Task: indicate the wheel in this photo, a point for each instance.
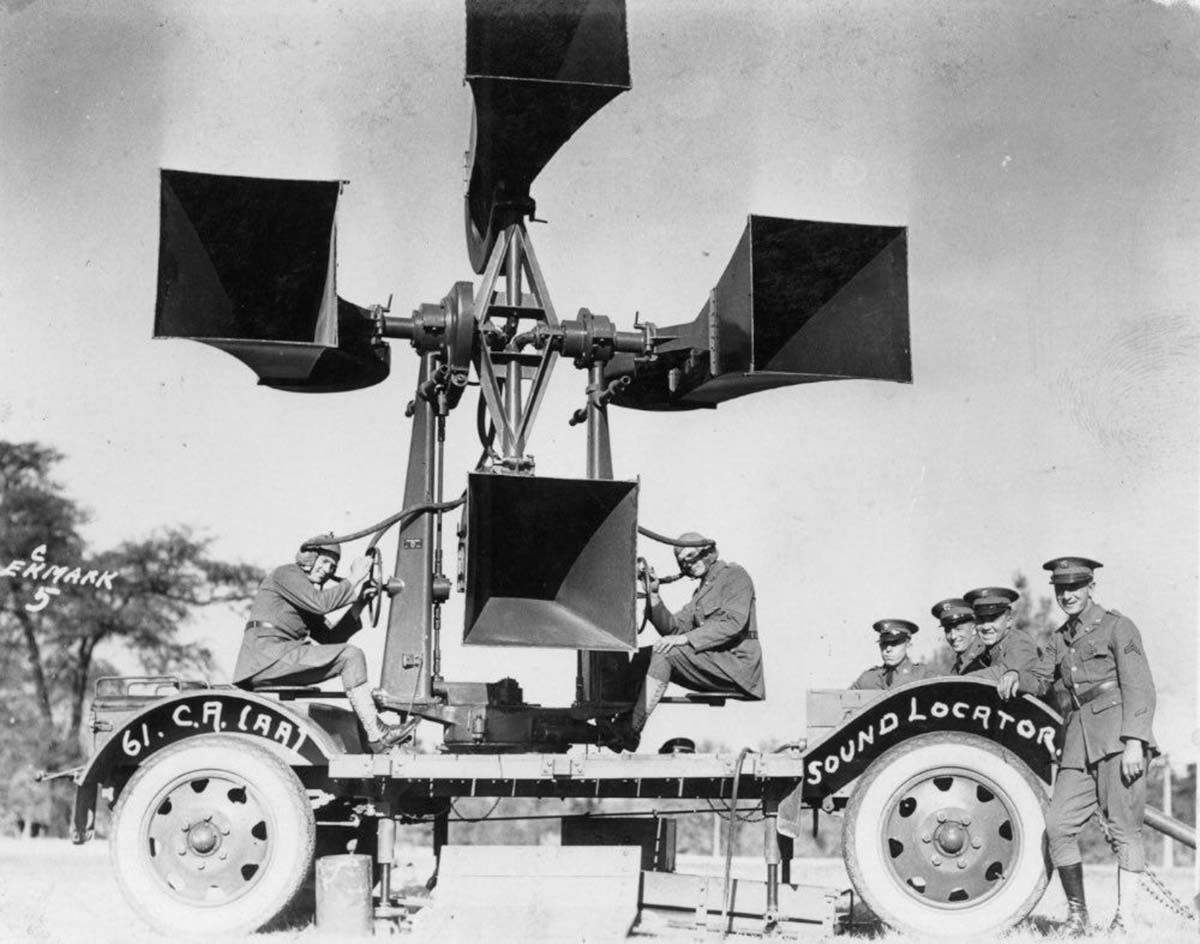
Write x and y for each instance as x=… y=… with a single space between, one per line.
x=213 y=836
x=944 y=836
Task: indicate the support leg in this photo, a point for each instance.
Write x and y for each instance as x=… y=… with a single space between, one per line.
x=773 y=858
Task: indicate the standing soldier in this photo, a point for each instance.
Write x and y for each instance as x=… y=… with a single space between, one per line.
x=1006 y=646
x=895 y=635
x=958 y=620
x=1098 y=656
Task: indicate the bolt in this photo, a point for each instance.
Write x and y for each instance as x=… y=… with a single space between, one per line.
x=186 y=826
x=208 y=818
x=222 y=854
x=925 y=837
x=966 y=821
x=182 y=850
x=200 y=866
x=941 y=817
x=962 y=863
x=976 y=843
x=936 y=861
x=224 y=830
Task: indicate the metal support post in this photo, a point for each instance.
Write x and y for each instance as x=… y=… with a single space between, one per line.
x=441 y=836
x=385 y=832
x=772 y=856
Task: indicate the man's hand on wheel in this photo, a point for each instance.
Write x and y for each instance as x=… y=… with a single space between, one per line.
x=1008 y=685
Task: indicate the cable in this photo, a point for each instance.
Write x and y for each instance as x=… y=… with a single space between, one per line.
x=378 y=529
x=674 y=542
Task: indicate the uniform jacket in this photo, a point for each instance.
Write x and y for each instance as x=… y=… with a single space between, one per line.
x=296 y=610
x=1016 y=652
x=974 y=659
x=876 y=677
x=1095 y=647
x=720 y=620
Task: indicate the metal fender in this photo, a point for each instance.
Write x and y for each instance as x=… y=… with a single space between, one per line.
x=291 y=735
x=1023 y=725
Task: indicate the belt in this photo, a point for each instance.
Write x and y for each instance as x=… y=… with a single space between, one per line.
x=1094 y=692
x=263 y=624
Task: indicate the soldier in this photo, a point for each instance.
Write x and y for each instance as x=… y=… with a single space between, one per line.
x=895 y=636
x=1006 y=646
x=710 y=646
x=958 y=620
x=1099 y=657
x=288 y=614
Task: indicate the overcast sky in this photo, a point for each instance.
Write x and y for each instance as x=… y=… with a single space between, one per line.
x=1043 y=156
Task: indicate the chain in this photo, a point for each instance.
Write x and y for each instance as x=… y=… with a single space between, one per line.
x=1151 y=883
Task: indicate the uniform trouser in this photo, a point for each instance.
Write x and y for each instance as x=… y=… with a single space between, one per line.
x=1080 y=793
x=306 y=665
x=696 y=671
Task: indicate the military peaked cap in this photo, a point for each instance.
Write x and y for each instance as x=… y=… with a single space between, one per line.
x=1071 y=569
x=952 y=612
x=991 y=601
x=895 y=630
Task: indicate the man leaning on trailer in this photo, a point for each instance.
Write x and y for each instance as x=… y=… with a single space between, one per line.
x=1098 y=656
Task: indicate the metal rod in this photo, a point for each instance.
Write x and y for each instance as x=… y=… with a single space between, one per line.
x=772 y=857
x=385 y=836
x=439 y=456
x=1169 y=826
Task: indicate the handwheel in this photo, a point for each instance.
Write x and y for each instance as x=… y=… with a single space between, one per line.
x=944 y=837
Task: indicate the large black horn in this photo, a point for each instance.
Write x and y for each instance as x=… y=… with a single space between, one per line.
x=799 y=302
x=247 y=265
x=538 y=69
x=550 y=562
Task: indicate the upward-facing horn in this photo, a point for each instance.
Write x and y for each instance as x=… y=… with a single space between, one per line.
x=799 y=302
x=247 y=265
x=538 y=69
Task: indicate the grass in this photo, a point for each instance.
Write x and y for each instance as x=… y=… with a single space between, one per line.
x=54 y=893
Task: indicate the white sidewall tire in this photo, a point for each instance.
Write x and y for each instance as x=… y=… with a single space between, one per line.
x=866 y=860
x=291 y=833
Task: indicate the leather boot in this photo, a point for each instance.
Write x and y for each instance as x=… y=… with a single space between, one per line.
x=1128 y=897
x=1071 y=877
x=390 y=735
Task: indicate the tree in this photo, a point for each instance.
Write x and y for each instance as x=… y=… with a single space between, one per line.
x=58 y=604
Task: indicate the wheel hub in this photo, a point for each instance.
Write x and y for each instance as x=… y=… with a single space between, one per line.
x=951 y=838
x=203 y=838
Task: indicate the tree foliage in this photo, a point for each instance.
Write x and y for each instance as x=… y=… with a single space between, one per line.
x=53 y=644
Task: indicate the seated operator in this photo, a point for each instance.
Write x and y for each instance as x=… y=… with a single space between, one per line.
x=1006 y=647
x=958 y=620
x=709 y=646
x=288 y=640
x=895 y=635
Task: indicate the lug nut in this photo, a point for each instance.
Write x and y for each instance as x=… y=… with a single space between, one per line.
x=925 y=837
x=222 y=854
x=936 y=861
x=941 y=817
x=200 y=866
x=966 y=821
x=962 y=863
x=976 y=843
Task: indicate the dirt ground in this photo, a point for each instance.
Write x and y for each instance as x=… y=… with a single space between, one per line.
x=51 y=891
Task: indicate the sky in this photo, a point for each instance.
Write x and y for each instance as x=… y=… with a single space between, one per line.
x=1042 y=156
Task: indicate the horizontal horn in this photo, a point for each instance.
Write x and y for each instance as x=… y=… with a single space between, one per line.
x=799 y=302
x=247 y=265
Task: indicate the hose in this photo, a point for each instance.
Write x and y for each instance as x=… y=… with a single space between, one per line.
x=378 y=529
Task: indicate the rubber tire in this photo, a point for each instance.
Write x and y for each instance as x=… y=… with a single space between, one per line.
x=291 y=826
x=874 y=880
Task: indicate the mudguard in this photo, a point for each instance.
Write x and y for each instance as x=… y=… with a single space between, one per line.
x=1023 y=725
x=297 y=738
